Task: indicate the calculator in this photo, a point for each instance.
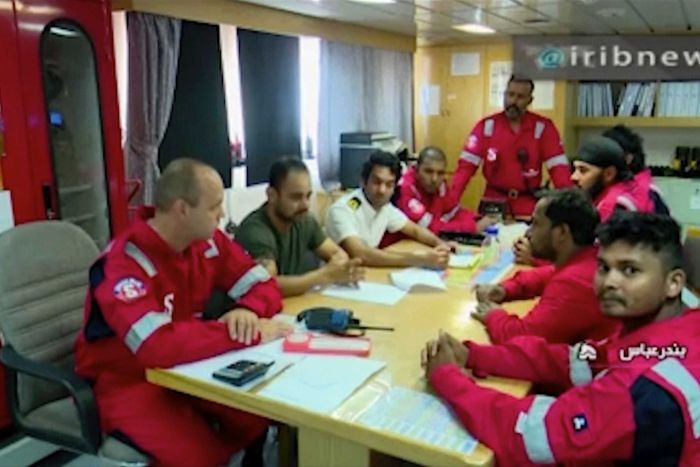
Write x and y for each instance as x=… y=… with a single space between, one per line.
x=242 y=371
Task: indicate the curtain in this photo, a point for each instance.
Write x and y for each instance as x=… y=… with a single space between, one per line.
x=198 y=126
x=362 y=89
x=154 y=44
x=270 y=93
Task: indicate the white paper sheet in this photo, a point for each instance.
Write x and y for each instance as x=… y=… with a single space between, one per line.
x=421 y=417
x=464 y=260
x=367 y=292
x=499 y=74
x=272 y=351
x=465 y=64
x=321 y=383
x=508 y=234
x=409 y=278
x=429 y=99
x=543 y=97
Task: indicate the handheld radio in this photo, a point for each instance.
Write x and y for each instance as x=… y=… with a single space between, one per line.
x=334 y=320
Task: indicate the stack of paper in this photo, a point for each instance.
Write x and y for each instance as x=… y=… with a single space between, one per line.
x=419 y=416
x=465 y=260
x=493 y=273
x=509 y=233
x=270 y=352
x=417 y=278
x=366 y=292
x=321 y=383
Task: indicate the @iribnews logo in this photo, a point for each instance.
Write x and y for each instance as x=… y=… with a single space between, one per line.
x=551 y=58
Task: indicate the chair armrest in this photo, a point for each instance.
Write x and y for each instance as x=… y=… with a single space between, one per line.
x=79 y=390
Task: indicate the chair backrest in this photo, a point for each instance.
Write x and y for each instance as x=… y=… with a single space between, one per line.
x=43 y=280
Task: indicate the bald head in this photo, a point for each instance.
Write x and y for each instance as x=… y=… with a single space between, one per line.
x=430 y=171
x=182 y=179
x=432 y=153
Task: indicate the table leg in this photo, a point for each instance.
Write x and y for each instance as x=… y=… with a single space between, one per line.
x=319 y=449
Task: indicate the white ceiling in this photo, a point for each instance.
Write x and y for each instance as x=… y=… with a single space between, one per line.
x=432 y=20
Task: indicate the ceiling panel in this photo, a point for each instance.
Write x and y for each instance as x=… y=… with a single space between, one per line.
x=537 y=3
x=495 y=21
x=433 y=17
x=440 y=5
x=692 y=12
x=488 y=4
x=669 y=18
x=617 y=14
x=519 y=14
x=432 y=20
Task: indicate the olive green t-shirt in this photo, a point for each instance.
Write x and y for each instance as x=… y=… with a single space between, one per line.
x=289 y=250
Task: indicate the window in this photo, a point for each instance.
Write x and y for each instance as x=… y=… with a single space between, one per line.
x=232 y=90
x=309 y=70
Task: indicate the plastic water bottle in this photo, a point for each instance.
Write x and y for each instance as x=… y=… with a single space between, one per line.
x=491 y=245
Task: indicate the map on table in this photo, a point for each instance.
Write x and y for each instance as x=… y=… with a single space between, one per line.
x=421 y=417
x=482 y=273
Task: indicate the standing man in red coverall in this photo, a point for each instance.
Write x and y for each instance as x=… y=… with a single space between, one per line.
x=513 y=145
x=630 y=400
x=141 y=310
x=563 y=232
x=424 y=197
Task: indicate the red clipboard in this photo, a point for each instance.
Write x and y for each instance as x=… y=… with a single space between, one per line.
x=316 y=343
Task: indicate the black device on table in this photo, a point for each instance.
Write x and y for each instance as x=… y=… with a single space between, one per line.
x=242 y=371
x=493 y=208
x=463 y=238
x=335 y=320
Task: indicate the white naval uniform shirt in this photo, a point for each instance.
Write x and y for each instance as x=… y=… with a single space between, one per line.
x=352 y=215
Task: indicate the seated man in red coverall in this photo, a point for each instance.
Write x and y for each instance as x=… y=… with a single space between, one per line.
x=141 y=311
x=632 y=143
x=600 y=169
x=563 y=232
x=425 y=198
x=629 y=400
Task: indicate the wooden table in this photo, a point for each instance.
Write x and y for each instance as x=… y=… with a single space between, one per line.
x=335 y=439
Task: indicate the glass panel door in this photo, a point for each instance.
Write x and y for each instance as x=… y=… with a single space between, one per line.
x=75 y=129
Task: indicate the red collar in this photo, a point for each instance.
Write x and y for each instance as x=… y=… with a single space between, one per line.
x=588 y=253
x=153 y=244
x=526 y=123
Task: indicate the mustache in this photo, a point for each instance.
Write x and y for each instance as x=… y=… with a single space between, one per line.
x=611 y=297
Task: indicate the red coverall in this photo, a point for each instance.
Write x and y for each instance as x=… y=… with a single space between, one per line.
x=642 y=410
x=513 y=165
x=567 y=311
x=436 y=212
x=631 y=195
x=655 y=193
x=141 y=312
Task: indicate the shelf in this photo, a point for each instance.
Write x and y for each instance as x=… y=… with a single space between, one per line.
x=637 y=122
x=79 y=219
x=74 y=189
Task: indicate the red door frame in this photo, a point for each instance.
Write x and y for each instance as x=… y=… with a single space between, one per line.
x=94 y=17
x=16 y=168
